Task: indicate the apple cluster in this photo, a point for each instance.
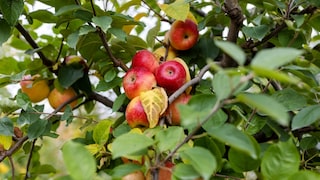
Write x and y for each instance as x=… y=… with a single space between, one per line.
x=161 y=68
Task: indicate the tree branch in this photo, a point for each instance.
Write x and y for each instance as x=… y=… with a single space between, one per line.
x=233 y=10
x=47 y=62
x=13 y=148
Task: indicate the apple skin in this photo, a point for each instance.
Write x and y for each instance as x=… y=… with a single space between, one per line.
x=57 y=98
x=74 y=59
x=188 y=76
x=170 y=75
x=36 y=90
x=146 y=59
x=135 y=114
x=137 y=80
x=172 y=112
x=161 y=52
x=183 y=35
x=137 y=175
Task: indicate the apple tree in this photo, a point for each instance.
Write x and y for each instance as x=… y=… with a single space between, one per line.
x=145 y=89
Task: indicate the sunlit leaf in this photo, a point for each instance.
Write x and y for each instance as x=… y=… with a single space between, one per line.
x=178 y=10
x=305 y=175
x=101 y=131
x=169 y=138
x=78 y=160
x=103 y=22
x=154 y=103
x=5 y=141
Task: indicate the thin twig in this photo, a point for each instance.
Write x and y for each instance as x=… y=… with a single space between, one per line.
x=29 y=159
x=156 y=13
x=12 y=168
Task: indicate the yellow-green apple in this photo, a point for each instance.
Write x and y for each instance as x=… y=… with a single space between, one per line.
x=172 y=112
x=170 y=75
x=183 y=35
x=57 y=98
x=146 y=59
x=160 y=53
x=137 y=175
x=137 y=80
x=76 y=60
x=135 y=114
x=37 y=90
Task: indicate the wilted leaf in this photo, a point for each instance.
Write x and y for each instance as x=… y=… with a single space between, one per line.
x=154 y=103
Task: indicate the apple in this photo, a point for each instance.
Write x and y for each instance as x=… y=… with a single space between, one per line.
x=137 y=175
x=74 y=59
x=183 y=34
x=160 y=53
x=188 y=77
x=37 y=90
x=146 y=59
x=170 y=75
x=135 y=114
x=172 y=112
x=137 y=80
x=57 y=98
x=164 y=172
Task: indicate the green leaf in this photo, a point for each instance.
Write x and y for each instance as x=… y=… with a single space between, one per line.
x=67 y=9
x=37 y=128
x=308 y=142
x=8 y=66
x=101 y=132
x=242 y=162
x=256 y=32
x=274 y=58
x=169 y=138
x=23 y=100
x=152 y=34
x=124 y=169
x=103 y=22
x=306 y=117
x=79 y=162
x=178 y=10
x=290 y=98
x=233 y=137
x=6 y=126
x=280 y=160
x=11 y=10
x=120 y=100
x=276 y=75
x=68 y=75
x=130 y=144
x=119 y=33
x=5 y=31
x=201 y=160
x=185 y=171
x=72 y=39
x=305 y=175
x=44 y=16
x=234 y=51
x=67 y=115
x=267 y=105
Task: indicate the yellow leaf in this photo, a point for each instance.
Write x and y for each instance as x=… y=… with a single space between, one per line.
x=128 y=28
x=6 y=141
x=93 y=148
x=154 y=103
x=178 y=10
x=4 y=168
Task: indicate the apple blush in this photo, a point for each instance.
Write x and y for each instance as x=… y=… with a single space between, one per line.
x=183 y=35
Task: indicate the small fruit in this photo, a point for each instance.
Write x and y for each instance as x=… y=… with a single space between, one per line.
x=57 y=98
x=170 y=75
x=188 y=77
x=146 y=59
x=135 y=114
x=172 y=113
x=138 y=80
x=161 y=52
x=37 y=90
x=76 y=60
x=183 y=34
x=137 y=175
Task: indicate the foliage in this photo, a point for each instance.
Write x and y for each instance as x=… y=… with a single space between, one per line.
x=255 y=79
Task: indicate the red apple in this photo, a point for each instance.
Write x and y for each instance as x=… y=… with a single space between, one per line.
x=172 y=113
x=146 y=59
x=183 y=34
x=137 y=175
x=171 y=75
x=138 y=80
x=135 y=114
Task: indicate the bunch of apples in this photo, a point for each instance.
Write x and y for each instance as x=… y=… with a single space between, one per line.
x=37 y=88
x=161 y=71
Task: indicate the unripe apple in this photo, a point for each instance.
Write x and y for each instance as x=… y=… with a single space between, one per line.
x=37 y=90
x=183 y=35
x=135 y=114
x=170 y=75
x=161 y=52
x=137 y=175
x=172 y=112
x=138 y=80
x=57 y=98
x=146 y=59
